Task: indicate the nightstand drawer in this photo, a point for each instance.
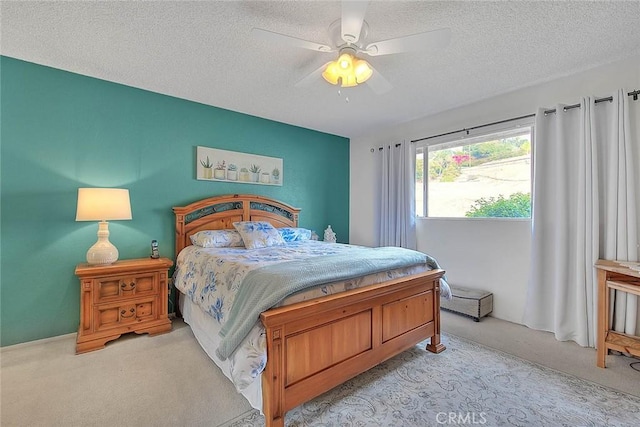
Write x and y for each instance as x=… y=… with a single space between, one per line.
x=107 y=316
x=112 y=288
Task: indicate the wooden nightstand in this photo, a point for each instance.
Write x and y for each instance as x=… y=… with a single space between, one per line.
x=126 y=296
x=614 y=275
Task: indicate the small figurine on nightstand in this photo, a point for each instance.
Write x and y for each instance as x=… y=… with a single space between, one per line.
x=155 y=254
x=329 y=235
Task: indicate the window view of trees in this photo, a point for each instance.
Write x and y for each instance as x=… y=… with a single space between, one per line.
x=489 y=178
x=518 y=205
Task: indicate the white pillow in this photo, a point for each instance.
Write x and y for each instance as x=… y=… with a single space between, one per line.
x=217 y=239
x=258 y=234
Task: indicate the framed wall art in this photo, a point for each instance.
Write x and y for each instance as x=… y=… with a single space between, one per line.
x=213 y=164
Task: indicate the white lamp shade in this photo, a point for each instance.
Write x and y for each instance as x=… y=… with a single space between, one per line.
x=103 y=204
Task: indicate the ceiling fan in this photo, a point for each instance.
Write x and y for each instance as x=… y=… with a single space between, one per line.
x=349 y=37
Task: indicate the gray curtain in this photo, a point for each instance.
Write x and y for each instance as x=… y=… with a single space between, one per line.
x=397 y=198
x=584 y=208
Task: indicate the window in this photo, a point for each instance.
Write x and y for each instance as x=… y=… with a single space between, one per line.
x=481 y=176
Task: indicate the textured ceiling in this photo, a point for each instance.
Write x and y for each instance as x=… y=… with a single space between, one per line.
x=203 y=51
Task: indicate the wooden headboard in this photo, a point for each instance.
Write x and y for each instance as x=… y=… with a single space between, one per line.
x=220 y=212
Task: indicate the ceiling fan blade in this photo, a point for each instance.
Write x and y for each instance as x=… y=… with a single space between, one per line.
x=352 y=16
x=270 y=36
x=312 y=77
x=378 y=83
x=435 y=39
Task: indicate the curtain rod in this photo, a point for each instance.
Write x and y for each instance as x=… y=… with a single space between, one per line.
x=634 y=93
x=382 y=148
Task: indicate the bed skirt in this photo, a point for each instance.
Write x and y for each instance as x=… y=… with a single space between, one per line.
x=202 y=326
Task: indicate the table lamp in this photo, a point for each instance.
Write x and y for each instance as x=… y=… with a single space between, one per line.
x=102 y=204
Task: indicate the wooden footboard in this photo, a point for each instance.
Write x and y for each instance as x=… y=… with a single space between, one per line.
x=315 y=345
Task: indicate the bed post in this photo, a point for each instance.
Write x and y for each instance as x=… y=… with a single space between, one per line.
x=180 y=233
x=435 y=346
x=273 y=380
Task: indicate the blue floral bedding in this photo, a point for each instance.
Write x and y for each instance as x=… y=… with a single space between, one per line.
x=210 y=278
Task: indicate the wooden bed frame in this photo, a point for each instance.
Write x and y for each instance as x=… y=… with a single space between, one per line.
x=315 y=345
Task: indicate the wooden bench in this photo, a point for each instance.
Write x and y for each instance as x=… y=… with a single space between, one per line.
x=473 y=303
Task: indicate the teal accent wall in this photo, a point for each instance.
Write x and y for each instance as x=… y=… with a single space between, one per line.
x=61 y=131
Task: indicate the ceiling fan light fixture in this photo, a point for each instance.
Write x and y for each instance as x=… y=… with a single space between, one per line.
x=347 y=70
x=362 y=70
x=345 y=62
x=332 y=73
x=348 y=80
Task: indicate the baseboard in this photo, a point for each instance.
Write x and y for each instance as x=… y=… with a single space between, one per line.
x=38 y=342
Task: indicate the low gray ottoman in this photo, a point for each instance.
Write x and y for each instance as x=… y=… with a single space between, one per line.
x=473 y=303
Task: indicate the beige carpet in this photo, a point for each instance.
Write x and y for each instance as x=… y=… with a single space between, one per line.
x=168 y=380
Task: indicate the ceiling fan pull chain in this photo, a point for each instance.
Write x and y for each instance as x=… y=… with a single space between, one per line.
x=346 y=98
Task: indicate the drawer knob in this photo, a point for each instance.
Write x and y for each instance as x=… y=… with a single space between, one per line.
x=124 y=312
x=131 y=285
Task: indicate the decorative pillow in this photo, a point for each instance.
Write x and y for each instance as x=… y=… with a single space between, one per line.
x=257 y=234
x=217 y=239
x=292 y=234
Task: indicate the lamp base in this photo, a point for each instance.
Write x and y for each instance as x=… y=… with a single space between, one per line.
x=102 y=252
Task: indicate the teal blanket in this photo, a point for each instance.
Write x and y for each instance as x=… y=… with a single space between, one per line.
x=267 y=286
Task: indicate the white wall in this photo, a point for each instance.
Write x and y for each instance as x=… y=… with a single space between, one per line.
x=491 y=254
